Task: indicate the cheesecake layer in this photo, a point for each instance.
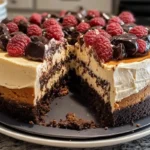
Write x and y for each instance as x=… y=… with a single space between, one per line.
x=19 y=74
x=126 y=78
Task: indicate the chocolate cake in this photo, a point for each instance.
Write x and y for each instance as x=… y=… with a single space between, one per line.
x=103 y=58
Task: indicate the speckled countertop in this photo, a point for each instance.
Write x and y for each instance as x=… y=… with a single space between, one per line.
x=7 y=143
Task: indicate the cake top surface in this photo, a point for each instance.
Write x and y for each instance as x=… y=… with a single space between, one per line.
x=19 y=61
x=114 y=39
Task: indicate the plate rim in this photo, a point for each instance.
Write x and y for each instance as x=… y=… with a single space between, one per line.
x=76 y=143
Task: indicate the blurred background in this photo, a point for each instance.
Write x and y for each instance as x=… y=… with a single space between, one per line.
x=140 y=8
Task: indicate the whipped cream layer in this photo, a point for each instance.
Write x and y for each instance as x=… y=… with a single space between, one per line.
x=125 y=78
x=17 y=72
x=130 y=78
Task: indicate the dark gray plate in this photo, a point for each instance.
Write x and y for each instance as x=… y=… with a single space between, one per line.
x=60 y=107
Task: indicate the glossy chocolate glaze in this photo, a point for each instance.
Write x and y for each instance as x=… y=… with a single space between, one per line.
x=35 y=49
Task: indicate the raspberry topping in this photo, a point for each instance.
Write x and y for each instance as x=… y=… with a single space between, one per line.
x=115 y=19
x=139 y=31
x=104 y=33
x=103 y=48
x=69 y=20
x=17 y=19
x=141 y=45
x=16 y=46
x=98 y=21
x=89 y=37
x=62 y=13
x=127 y=17
x=34 y=29
x=54 y=31
x=45 y=14
x=49 y=22
x=93 y=13
x=12 y=27
x=114 y=29
x=83 y=27
x=36 y=18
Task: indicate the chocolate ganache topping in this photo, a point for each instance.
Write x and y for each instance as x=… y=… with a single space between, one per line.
x=71 y=34
x=36 y=48
x=125 y=45
x=4 y=36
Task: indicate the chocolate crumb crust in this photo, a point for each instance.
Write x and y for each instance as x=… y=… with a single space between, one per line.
x=102 y=110
x=73 y=122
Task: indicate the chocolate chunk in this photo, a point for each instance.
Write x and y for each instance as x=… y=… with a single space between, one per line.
x=23 y=26
x=35 y=49
x=129 y=41
x=3 y=29
x=82 y=11
x=147 y=39
x=71 y=34
x=39 y=38
x=119 y=51
x=148 y=28
x=127 y=27
x=106 y=16
x=50 y=16
x=6 y=20
x=4 y=39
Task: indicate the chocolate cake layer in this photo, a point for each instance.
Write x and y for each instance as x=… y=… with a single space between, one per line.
x=103 y=110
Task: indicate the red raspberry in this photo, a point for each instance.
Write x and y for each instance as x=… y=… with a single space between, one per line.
x=16 y=46
x=83 y=27
x=139 y=31
x=114 y=29
x=54 y=31
x=44 y=14
x=104 y=33
x=49 y=22
x=69 y=20
x=17 y=19
x=36 y=18
x=89 y=37
x=62 y=13
x=12 y=27
x=98 y=21
x=141 y=45
x=93 y=13
x=34 y=29
x=103 y=48
x=127 y=17
x=115 y=19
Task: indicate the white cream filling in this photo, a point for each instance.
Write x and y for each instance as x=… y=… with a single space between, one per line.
x=131 y=78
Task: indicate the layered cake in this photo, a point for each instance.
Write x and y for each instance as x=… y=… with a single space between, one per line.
x=107 y=57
